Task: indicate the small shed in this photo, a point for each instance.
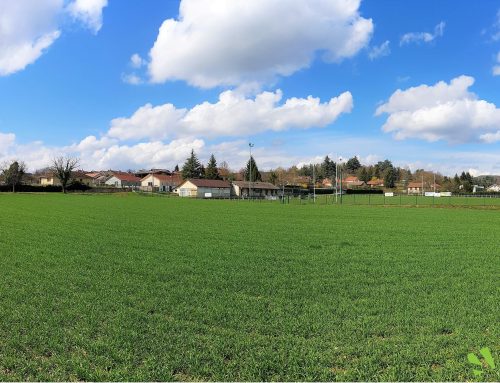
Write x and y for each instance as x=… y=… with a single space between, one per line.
x=258 y=189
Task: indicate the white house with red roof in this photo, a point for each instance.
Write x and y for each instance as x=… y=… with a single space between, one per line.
x=123 y=180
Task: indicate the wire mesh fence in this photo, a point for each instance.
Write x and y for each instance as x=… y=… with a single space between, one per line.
x=394 y=200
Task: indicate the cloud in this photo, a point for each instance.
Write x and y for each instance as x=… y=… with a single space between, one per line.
x=442 y=111
x=163 y=135
x=490 y=137
x=131 y=79
x=380 y=51
x=154 y=122
x=143 y=154
x=235 y=42
x=88 y=12
x=231 y=115
x=29 y=27
x=425 y=37
x=6 y=141
x=137 y=61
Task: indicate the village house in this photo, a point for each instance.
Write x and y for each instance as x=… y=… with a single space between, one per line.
x=352 y=182
x=202 y=188
x=48 y=179
x=259 y=189
x=159 y=182
x=375 y=183
x=82 y=178
x=326 y=183
x=98 y=178
x=416 y=187
x=123 y=180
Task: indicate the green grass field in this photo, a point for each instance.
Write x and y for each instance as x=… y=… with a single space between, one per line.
x=139 y=288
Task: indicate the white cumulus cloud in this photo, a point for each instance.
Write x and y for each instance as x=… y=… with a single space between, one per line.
x=89 y=12
x=232 y=115
x=425 y=37
x=441 y=111
x=235 y=42
x=29 y=27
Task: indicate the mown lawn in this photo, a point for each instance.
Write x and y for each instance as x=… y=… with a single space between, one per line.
x=140 y=288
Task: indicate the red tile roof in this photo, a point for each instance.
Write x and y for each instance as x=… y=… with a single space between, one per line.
x=415 y=185
x=128 y=177
x=375 y=182
x=351 y=179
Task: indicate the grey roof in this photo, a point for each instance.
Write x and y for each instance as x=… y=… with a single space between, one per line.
x=256 y=185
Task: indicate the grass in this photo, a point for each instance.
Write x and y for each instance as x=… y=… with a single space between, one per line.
x=137 y=288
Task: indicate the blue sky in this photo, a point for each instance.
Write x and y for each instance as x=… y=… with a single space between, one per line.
x=299 y=79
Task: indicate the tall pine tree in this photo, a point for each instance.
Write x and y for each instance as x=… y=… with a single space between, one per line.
x=212 y=172
x=255 y=174
x=328 y=168
x=192 y=167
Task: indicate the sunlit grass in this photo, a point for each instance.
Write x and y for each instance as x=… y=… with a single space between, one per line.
x=139 y=288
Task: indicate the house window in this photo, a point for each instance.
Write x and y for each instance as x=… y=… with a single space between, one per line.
x=150 y=184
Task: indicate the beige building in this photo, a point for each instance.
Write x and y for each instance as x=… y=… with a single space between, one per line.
x=200 y=188
x=49 y=179
x=82 y=178
x=159 y=182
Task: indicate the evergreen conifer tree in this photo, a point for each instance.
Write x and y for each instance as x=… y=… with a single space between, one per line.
x=192 y=167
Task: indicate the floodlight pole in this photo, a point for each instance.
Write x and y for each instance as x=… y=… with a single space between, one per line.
x=314 y=186
x=336 y=181
x=250 y=145
x=340 y=160
x=152 y=181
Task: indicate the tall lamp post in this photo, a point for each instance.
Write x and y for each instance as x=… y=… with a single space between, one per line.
x=337 y=180
x=250 y=145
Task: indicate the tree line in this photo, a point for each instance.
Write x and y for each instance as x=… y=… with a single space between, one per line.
x=63 y=168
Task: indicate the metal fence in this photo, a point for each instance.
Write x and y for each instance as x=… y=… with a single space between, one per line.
x=400 y=199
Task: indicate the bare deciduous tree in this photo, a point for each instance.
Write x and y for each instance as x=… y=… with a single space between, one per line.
x=13 y=173
x=63 y=168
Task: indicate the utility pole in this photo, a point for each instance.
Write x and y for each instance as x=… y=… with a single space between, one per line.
x=423 y=185
x=340 y=160
x=152 y=181
x=250 y=145
x=336 y=181
x=314 y=185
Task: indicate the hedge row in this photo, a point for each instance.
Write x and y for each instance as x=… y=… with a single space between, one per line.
x=44 y=189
